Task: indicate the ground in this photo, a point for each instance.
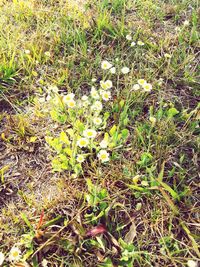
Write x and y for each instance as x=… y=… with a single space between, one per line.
x=140 y=208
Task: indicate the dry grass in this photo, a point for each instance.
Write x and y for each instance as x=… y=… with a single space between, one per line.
x=147 y=197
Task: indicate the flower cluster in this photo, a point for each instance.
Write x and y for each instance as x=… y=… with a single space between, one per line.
x=142 y=85
x=105 y=65
x=86 y=117
x=130 y=38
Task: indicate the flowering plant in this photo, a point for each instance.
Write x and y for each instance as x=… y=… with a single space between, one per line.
x=85 y=132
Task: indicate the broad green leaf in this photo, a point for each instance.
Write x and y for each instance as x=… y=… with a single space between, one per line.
x=106 y=137
x=70 y=132
x=64 y=138
x=68 y=151
x=56 y=165
x=113 y=130
x=106 y=115
x=172 y=112
x=79 y=125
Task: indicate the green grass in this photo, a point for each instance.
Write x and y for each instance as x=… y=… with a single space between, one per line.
x=141 y=207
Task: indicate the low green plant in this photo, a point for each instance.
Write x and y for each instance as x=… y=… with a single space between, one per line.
x=87 y=132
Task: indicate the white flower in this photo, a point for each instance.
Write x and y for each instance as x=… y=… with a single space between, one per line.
x=94 y=93
x=94 y=80
x=106 y=95
x=90 y=133
x=48 y=98
x=41 y=99
x=125 y=70
x=105 y=65
x=71 y=103
x=147 y=87
x=192 y=263
x=53 y=88
x=106 y=85
x=186 y=23
x=2 y=258
x=47 y=53
x=160 y=81
x=27 y=51
x=44 y=263
x=113 y=70
x=136 y=87
x=177 y=29
x=140 y=43
x=103 y=155
x=133 y=44
x=144 y=183
x=117 y=59
x=103 y=143
x=80 y=158
x=142 y=82
x=128 y=37
x=84 y=98
x=166 y=55
x=15 y=254
x=97 y=120
x=103 y=85
x=97 y=106
x=85 y=103
x=82 y=142
x=68 y=97
x=152 y=120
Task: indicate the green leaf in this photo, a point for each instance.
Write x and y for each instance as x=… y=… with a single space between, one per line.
x=64 y=138
x=26 y=220
x=70 y=132
x=106 y=115
x=161 y=173
x=57 y=165
x=79 y=125
x=101 y=243
x=68 y=151
x=113 y=130
x=121 y=103
x=90 y=185
x=56 y=116
x=103 y=193
x=78 y=169
x=89 y=199
x=106 y=137
x=172 y=112
x=169 y=189
x=125 y=133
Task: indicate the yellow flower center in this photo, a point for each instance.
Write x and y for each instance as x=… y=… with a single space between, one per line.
x=15 y=254
x=82 y=142
x=71 y=104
